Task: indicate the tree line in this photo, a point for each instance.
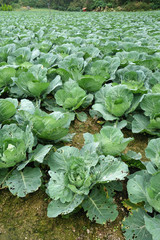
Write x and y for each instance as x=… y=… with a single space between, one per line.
x=77 y=5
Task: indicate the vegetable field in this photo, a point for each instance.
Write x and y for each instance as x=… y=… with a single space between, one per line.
x=77 y=92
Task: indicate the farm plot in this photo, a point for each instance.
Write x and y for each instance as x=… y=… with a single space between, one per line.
x=60 y=72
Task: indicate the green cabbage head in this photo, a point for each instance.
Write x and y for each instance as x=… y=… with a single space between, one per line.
x=14 y=143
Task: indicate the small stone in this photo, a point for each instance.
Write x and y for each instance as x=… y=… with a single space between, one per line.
x=88 y=231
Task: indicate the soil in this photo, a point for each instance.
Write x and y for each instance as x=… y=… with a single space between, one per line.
x=26 y=218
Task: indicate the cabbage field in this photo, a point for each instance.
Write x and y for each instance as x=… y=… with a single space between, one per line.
x=62 y=68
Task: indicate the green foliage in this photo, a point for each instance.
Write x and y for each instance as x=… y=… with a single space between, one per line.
x=153 y=226
x=71 y=96
x=52 y=126
x=75 y=5
x=15 y=5
x=111 y=141
x=51 y=65
x=33 y=3
x=153 y=152
x=6 y=74
x=14 y=145
x=34 y=81
x=134 y=6
x=8 y=108
x=5 y=7
x=99 y=207
x=99 y=3
x=134 y=226
x=143 y=187
x=21 y=183
x=73 y=173
x=112 y=102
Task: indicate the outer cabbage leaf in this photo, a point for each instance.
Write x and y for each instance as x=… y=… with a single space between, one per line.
x=64 y=74
x=111 y=141
x=81 y=116
x=134 y=226
x=46 y=59
x=153 y=192
x=99 y=67
x=133 y=78
x=26 y=105
x=110 y=169
x=72 y=63
x=34 y=81
x=64 y=156
x=56 y=208
x=49 y=126
x=156 y=88
x=154 y=124
x=5 y=51
x=127 y=57
x=118 y=100
x=57 y=187
x=52 y=126
x=71 y=96
x=67 y=48
x=102 y=112
x=14 y=144
x=6 y=73
x=19 y=56
x=74 y=171
x=3 y=177
x=121 y=124
x=151 y=105
x=150 y=167
x=153 y=64
x=136 y=101
x=153 y=151
x=21 y=183
x=90 y=51
x=114 y=100
x=40 y=152
x=44 y=45
x=136 y=187
x=139 y=123
x=91 y=83
x=37 y=155
x=153 y=226
x=144 y=187
x=105 y=68
x=8 y=108
x=133 y=159
x=99 y=207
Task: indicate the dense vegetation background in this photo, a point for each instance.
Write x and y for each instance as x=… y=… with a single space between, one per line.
x=77 y=5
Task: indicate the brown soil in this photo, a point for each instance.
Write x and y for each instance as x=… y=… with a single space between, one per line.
x=26 y=218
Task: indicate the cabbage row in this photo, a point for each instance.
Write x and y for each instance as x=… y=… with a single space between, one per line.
x=55 y=67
